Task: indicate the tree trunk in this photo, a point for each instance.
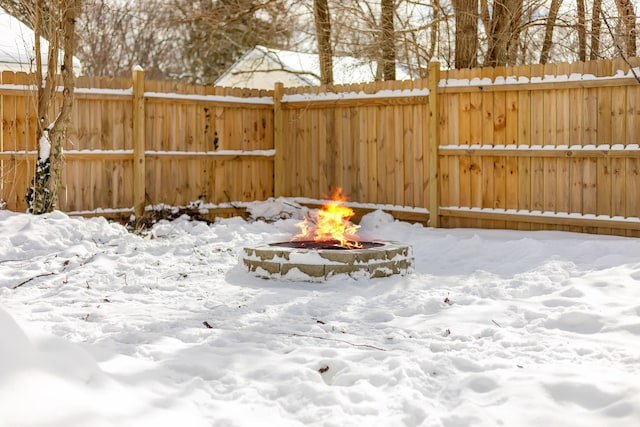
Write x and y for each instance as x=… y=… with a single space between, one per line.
x=596 y=26
x=582 y=31
x=388 y=40
x=548 y=33
x=628 y=17
x=466 y=49
x=503 y=31
x=42 y=196
x=434 y=29
x=323 y=35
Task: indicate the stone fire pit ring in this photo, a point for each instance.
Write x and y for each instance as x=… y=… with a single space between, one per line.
x=310 y=264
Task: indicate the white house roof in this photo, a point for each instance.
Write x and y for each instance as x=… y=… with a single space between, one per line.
x=17 y=46
x=262 y=67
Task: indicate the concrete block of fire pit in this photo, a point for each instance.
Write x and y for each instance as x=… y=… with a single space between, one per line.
x=315 y=264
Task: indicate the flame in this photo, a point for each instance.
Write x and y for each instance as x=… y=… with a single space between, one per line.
x=331 y=223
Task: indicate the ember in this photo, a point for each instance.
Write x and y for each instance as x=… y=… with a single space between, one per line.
x=327 y=244
x=331 y=224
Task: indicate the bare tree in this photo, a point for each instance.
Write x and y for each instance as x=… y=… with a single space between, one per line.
x=596 y=27
x=387 y=41
x=466 y=46
x=52 y=131
x=628 y=18
x=582 y=30
x=502 y=31
x=323 y=36
x=116 y=36
x=195 y=41
x=549 y=26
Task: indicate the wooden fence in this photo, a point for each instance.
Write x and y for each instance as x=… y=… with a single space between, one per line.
x=530 y=147
x=190 y=143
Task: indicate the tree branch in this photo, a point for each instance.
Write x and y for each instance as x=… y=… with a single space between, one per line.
x=337 y=340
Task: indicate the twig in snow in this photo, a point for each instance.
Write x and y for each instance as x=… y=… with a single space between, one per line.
x=34 y=277
x=496 y=323
x=338 y=340
x=291 y=205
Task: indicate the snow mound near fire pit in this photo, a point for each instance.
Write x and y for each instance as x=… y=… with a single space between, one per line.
x=276 y=209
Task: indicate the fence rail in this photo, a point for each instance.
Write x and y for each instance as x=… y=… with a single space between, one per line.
x=528 y=147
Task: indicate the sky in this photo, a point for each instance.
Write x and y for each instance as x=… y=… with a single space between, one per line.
x=103 y=327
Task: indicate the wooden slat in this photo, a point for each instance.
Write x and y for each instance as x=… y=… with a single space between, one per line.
x=542 y=85
x=549 y=140
x=409 y=142
x=362 y=167
x=499 y=138
x=464 y=138
x=511 y=139
x=524 y=139
x=603 y=174
x=389 y=157
x=381 y=171
x=632 y=179
x=454 y=163
x=398 y=157
x=619 y=135
x=563 y=133
x=356 y=102
x=426 y=126
x=475 y=112
x=548 y=220
x=372 y=155
x=542 y=152
x=14 y=171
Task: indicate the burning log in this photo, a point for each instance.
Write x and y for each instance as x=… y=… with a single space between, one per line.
x=331 y=223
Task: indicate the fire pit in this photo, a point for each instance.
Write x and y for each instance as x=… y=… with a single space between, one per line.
x=308 y=261
x=326 y=247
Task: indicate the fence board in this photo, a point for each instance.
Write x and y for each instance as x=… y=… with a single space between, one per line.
x=524 y=139
x=537 y=139
x=499 y=138
x=398 y=156
x=604 y=133
x=511 y=140
x=410 y=178
x=549 y=140
x=474 y=110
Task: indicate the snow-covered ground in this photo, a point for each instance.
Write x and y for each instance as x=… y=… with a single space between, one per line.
x=101 y=327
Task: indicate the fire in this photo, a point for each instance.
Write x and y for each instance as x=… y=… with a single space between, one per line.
x=331 y=223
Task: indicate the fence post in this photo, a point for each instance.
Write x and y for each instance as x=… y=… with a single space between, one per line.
x=278 y=140
x=139 y=137
x=434 y=142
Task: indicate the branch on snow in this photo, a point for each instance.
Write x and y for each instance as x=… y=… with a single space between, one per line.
x=337 y=340
x=34 y=277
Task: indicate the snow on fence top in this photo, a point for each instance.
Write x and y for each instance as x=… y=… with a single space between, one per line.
x=622 y=77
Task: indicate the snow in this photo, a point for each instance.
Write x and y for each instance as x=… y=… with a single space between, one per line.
x=45 y=146
x=331 y=96
x=101 y=327
x=17 y=46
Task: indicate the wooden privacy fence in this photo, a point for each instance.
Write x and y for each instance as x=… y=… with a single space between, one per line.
x=530 y=147
x=137 y=142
